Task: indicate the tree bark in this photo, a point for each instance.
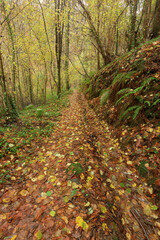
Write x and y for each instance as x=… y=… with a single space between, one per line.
x=156 y=21
x=133 y=9
x=11 y=35
x=67 y=42
x=59 y=26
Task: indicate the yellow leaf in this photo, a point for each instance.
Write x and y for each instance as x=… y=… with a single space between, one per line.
x=129 y=162
x=24 y=193
x=3 y=216
x=105 y=227
x=40 y=177
x=34 y=179
x=117 y=198
x=52 y=213
x=150 y=190
x=14 y=237
x=128 y=236
x=43 y=160
x=82 y=176
x=53 y=179
x=13 y=178
x=19 y=168
x=81 y=223
x=147 y=210
x=6 y=200
x=103 y=209
x=112 y=186
x=65 y=219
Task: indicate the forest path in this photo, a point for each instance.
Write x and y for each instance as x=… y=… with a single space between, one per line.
x=79 y=186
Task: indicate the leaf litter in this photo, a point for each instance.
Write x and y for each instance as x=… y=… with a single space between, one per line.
x=80 y=185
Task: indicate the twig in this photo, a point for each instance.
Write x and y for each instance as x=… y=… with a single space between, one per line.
x=141 y=225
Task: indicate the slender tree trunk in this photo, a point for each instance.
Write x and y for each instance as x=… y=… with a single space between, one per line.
x=133 y=9
x=11 y=35
x=59 y=8
x=2 y=75
x=49 y=45
x=105 y=54
x=19 y=83
x=98 y=29
x=30 y=85
x=67 y=34
x=45 y=67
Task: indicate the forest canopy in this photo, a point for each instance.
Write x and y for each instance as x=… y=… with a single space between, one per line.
x=46 y=44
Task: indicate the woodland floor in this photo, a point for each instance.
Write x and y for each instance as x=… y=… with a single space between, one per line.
x=80 y=185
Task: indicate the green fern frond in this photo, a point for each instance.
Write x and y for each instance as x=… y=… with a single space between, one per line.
x=123 y=91
x=127 y=94
x=105 y=97
x=123 y=77
x=128 y=110
x=148 y=80
x=136 y=112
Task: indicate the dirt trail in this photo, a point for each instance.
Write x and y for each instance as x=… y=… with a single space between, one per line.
x=89 y=200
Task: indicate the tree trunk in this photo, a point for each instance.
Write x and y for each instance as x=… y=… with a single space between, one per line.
x=49 y=45
x=133 y=9
x=11 y=35
x=2 y=76
x=67 y=33
x=105 y=54
x=156 y=21
x=19 y=83
x=30 y=85
x=98 y=28
x=147 y=12
x=59 y=7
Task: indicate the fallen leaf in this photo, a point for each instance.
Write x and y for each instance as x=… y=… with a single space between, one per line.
x=24 y=193
x=65 y=219
x=52 y=213
x=81 y=223
x=40 y=177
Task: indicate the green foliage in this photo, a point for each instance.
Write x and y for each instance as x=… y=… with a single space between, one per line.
x=138 y=65
x=105 y=96
x=30 y=128
x=39 y=112
x=73 y=192
x=136 y=112
x=136 y=109
x=11 y=112
x=124 y=90
x=75 y=168
x=122 y=77
x=30 y=106
x=142 y=169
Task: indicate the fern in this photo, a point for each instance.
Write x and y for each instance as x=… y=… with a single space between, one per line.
x=105 y=97
x=127 y=94
x=157 y=101
x=148 y=80
x=122 y=77
x=128 y=110
x=136 y=112
x=123 y=91
x=76 y=168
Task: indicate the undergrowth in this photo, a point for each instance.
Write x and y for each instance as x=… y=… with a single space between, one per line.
x=20 y=139
x=128 y=88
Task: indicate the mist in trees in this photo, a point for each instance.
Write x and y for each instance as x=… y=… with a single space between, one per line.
x=48 y=46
